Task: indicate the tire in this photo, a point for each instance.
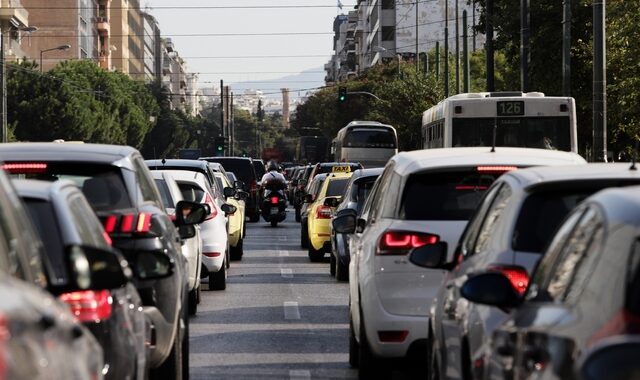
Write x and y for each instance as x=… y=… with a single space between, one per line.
x=332 y=265
x=342 y=271
x=304 y=235
x=237 y=251
x=172 y=367
x=218 y=280
x=274 y=223
x=314 y=255
x=354 y=350
x=185 y=350
x=193 y=301
x=199 y=295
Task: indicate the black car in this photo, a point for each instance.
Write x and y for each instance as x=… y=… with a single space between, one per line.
x=122 y=192
x=244 y=170
x=584 y=291
x=63 y=218
x=356 y=193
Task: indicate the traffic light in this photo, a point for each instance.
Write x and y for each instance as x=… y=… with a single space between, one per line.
x=219 y=143
x=342 y=94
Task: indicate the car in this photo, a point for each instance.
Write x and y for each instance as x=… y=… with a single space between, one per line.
x=311 y=195
x=422 y=198
x=191 y=247
x=66 y=223
x=299 y=191
x=236 y=226
x=213 y=231
x=508 y=232
x=122 y=192
x=243 y=168
x=582 y=294
x=321 y=208
x=38 y=332
x=198 y=166
x=355 y=194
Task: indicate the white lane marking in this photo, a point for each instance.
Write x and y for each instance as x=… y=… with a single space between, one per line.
x=282 y=238
x=286 y=272
x=283 y=253
x=291 y=310
x=299 y=375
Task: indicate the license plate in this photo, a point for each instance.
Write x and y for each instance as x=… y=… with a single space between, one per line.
x=274 y=211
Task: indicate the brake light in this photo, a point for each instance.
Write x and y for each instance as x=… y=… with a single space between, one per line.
x=110 y=224
x=517 y=275
x=212 y=254
x=126 y=225
x=495 y=169
x=139 y=224
x=393 y=336
x=323 y=212
x=214 y=211
x=89 y=305
x=401 y=242
x=622 y=323
x=26 y=167
x=274 y=200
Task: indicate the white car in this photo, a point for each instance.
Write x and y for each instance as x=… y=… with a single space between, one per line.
x=213 y=231
x=192 y=247
x=422 y=197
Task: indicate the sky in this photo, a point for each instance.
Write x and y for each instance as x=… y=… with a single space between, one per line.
x=200 y=31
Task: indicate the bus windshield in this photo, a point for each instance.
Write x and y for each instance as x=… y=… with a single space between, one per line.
x=370 y=138
x=539 y=132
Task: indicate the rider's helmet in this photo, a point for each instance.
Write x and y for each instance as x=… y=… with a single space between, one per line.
x=272 y=165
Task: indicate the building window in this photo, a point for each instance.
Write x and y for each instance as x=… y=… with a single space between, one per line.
x=388 y=33
x=388 y=4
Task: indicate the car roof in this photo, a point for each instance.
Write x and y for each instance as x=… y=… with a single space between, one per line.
x=531 y=177
x=367 y=172
x=409 y=162
x=620 y=204
x=177 y=162
x=50 y=151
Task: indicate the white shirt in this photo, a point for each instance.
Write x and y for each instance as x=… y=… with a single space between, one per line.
x=273 y=175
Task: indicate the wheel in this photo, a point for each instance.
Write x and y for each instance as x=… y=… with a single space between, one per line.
x=218 y=280
x=193 y=301
x=185 y=349
x=274 y=223
x=297 y=214
x=199 y=294
x=332 y=264
x=315 y=255
x=237 y=251
x=354 y=350
x=172 y=367
x=342 y=271
x=304 y=235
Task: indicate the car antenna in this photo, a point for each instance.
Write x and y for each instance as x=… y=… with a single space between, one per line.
x=634 y=158
x=164 y=161
x=493 y=137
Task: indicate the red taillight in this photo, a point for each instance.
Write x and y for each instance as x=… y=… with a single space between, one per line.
x=89 y=305
x=212 y=254
x=110 y=223
x=274 y=200
x=209 y=201
x=26 y=167
x=323 y=212
x=401 y=242
x=393 y=336
x=622 y=323
x=517 y=275
x=497 y=169
x=127 y=224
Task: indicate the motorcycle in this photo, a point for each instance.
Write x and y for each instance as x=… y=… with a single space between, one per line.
x=274 y=203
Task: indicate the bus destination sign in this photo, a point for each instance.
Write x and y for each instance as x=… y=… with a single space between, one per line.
x=511 y=108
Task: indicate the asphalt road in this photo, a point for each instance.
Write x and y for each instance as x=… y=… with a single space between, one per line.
x=281 y=316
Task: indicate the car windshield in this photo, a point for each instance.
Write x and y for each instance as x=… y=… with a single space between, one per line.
x=370 y=138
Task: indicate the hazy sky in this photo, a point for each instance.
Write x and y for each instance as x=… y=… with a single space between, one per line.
x=305 y=28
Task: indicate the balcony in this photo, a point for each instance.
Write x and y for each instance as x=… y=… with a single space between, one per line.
x=103 y=26
x=13 y=12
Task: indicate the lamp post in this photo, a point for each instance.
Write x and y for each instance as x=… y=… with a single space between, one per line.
x=3 y=81
x=61 y=47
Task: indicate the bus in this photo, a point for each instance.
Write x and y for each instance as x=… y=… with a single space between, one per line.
x=370 y=143
x=513 y=119
x=312 y=149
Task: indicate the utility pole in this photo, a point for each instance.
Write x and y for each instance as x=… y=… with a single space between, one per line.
x=446 y=49
x=525 y=50
x=437 y=60
x=489 y=47
x=417 y=45
x=222 y=108
x=566 y=48
x=457 y=50
x=473 y=15
x=232 y=127
x=599 y=82
x=465 y=51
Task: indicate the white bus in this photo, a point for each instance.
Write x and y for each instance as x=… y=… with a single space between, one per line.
x=520 y=120
x=370 y=143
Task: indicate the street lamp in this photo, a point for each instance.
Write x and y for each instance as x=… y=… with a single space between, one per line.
x=3 y=76
x=61 y=47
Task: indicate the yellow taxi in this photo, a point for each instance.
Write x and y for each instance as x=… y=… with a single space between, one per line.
x=235 y=225
x=321 y=209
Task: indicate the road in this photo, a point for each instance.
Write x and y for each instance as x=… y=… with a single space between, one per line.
x=281 y=316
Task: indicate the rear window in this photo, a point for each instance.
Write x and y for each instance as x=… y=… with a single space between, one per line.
x=370 y=138
x=191 y=192
x=336 y=187
x=167 y=201
x=102 y=185
x=444 y=195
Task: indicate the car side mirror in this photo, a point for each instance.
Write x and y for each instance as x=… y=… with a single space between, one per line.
x=332 y=201
x=228 y=209
x=611 y=358
x=238 y=184
x=491 y=288
x=431 y=256
x=188 y=212
x=150 y=265
x=347 y=211
x=344 y=224
x=95 y=268
x=187 y=232
x=229 y=192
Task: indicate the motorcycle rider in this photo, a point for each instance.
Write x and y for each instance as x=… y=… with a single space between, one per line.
x=273 y=180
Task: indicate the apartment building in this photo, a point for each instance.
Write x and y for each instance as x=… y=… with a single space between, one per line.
x=127 y=36
x=14 y=25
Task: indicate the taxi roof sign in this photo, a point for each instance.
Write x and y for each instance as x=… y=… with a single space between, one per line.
x=341 y=169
